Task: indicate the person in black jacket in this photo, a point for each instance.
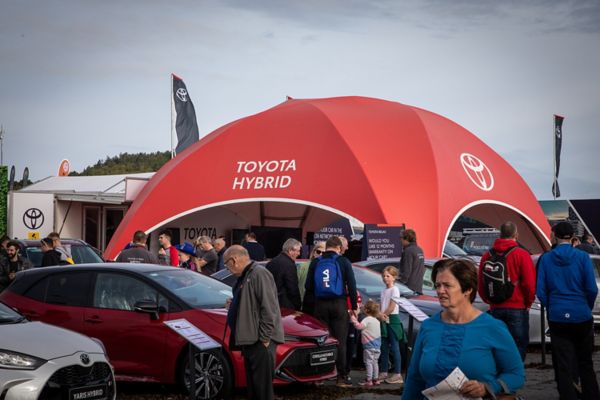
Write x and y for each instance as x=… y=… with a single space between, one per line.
x=285 y=273
x=255 y=249
x=587 y=244
x=11 y=264
x=51 y=257
x=332 y=310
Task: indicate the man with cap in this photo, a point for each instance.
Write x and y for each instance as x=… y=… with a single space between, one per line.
x=566 y=286
x=187 y=256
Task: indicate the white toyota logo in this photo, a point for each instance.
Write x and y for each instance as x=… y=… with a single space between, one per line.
x=477 y=172
x=182 y=94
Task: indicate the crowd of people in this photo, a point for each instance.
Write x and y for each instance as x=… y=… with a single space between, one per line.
x=204 y=255
x=11 y=261
x=489 y=348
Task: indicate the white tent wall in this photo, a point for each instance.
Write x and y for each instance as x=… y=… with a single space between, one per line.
x=220 y=220
x=21 y=203
x=69 y=213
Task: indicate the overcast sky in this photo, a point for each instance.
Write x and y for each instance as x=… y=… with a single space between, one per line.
x=88 y=79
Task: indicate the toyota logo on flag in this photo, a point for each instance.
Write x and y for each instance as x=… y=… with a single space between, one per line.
x=33 y=218
x=181 y=94
x=477 y=171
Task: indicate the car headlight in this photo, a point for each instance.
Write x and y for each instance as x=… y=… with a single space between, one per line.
x=14 y=360
x=292 y=338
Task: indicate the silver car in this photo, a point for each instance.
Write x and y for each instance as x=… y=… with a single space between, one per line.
x=41 y=361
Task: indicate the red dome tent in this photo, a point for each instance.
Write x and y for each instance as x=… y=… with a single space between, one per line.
x=378 y=161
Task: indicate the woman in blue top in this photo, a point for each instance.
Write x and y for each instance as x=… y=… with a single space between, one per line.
x=462 y=336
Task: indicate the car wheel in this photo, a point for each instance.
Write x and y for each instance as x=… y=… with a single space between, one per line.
x=213 y=376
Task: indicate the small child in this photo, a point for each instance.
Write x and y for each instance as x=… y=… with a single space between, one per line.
x=394 y=332
x=370 y=337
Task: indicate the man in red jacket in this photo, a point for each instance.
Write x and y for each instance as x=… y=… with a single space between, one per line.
x=514 y=310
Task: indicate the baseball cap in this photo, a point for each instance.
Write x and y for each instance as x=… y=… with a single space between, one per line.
x=563 y=230
x=186 y=248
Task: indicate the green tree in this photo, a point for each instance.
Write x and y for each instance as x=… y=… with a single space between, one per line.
x=126 y=163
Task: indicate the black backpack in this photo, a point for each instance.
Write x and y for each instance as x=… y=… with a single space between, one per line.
x=497 y=285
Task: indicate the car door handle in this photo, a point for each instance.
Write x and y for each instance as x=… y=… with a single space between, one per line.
x=31 y=315
x=94 y=319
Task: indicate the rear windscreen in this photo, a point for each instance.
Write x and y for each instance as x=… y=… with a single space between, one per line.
x=81 y=254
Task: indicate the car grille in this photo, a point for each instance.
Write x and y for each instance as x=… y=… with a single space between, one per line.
x=76 y=376
x=298 y=363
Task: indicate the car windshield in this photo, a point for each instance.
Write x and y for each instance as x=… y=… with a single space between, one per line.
x=478 y=244
x=8 y=315
x=371 y=283
x=81 y=253
x=453 y=250
x=193 y=288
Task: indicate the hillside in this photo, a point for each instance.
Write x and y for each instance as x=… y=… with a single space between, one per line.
x=126 y=163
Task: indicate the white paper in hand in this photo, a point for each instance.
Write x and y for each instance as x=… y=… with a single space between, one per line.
x=449 y=388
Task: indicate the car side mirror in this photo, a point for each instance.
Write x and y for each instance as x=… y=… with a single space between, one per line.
x=147 y=307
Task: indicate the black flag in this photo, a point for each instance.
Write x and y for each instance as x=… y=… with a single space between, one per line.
x=183 y=116
x=25 y=180
x=11 y=180
x=558 y=120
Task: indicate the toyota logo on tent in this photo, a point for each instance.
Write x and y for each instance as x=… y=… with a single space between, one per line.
x=477 y=172
x=33 y=218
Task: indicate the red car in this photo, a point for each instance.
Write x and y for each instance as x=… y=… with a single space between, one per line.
x=126 y=305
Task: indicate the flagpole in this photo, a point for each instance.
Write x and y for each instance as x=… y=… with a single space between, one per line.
x=172 y=107
x=553 y=155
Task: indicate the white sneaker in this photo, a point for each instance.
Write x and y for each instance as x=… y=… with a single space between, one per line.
x=382 y=376
x=395 y=378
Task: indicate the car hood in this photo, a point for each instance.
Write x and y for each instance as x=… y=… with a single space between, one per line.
x=294 y=322
x=45 y=341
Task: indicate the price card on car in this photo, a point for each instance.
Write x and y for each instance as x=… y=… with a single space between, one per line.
x=322 y=357
x=410 y=308
x=192 y=334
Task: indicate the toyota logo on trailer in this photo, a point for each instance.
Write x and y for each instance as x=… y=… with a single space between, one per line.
x=477 y=172
x=33 y=218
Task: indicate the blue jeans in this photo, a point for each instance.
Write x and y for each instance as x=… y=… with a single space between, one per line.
x=387 y=343
x=517 y=322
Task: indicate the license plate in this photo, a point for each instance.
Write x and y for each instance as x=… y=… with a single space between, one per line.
x=89 y=393
x=322 y=357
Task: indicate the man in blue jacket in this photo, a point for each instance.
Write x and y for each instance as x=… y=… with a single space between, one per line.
x=567 y=288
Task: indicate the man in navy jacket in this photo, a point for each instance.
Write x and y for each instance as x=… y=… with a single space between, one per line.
x=566 y=286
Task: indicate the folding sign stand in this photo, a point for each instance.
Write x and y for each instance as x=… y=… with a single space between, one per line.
x=414 y=312
x=198 y=339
